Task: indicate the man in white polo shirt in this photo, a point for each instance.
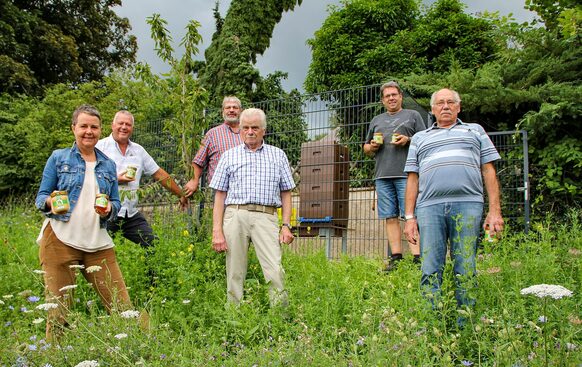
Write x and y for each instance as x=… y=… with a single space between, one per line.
x=126 y=153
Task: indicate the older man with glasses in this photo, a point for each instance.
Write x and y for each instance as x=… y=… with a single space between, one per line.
x=448 y=165
x=251 y=181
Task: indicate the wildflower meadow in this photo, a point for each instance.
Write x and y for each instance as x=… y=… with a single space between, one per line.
x=341 y=313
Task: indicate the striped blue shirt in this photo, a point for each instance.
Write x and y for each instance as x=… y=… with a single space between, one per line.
x=448 y=162
x=253 y=177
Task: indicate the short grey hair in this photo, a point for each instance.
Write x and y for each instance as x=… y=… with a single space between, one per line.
x=124 y=112
x=249 y=112
x=231 y=99
x=456 y=96
x=390 y=84
x=86 y=109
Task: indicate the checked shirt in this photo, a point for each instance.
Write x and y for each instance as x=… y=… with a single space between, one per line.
x=253 y=177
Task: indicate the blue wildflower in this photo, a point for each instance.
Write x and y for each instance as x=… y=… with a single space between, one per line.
x=466 y=363
x=32 y=347
x=33 y=299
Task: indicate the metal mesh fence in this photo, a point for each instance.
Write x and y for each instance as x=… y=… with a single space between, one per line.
x=334 y=204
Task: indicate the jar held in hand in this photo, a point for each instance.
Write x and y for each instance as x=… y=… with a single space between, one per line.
x=59 y=202
x=378 y=138
x=101 y=201
x=394 y=137
x=131 y=172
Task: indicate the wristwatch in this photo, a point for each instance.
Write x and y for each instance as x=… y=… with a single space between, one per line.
x=286 y=225
x=409 y=216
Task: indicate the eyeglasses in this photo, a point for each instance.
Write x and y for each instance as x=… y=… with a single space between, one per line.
x=392 y=95
x=442 y=103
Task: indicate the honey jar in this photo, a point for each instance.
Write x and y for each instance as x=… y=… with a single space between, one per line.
x=379 y=138
x=131 y=171
x=59 y=202
x=101 y=201
x=488 y=237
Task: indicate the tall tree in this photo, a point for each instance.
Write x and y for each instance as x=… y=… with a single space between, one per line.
x=184 y=98
x=443 y=38
x=243 y=34
x=350 y=36
x=61 y=41
x=552 y=12
x=365 y=41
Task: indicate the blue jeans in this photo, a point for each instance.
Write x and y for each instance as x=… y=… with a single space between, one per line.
x=457 y=224
x=390 y=193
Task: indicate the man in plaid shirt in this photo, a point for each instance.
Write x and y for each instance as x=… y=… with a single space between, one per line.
x=251 y=181
x=216 y=141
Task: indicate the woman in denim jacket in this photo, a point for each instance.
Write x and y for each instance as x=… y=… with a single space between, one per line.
x=78 y=239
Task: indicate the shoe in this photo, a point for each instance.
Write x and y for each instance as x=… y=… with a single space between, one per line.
x=392 y=265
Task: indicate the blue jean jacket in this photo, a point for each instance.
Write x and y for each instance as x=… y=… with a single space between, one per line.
x=65 y=171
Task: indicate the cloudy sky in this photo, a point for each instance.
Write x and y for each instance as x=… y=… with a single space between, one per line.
x=288 y=51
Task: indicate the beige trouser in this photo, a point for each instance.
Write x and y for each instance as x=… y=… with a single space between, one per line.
x=55 y=259
x=262 y=229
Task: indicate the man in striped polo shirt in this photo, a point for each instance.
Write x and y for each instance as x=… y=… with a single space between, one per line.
x=447 y=166
x=217 y=140
x=251 y=181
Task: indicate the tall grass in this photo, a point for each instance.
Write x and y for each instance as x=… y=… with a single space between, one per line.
x=341 y=313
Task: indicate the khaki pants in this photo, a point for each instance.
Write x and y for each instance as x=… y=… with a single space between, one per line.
x=55 y=259
x=262 y=229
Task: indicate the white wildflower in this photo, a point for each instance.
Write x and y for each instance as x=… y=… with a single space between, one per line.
x=186 y=301
x=93 y=269
x=113 y=350
x=542 y=319
x=130 y=314
x=37 y=271
x=77 y=266
x=547 y=290
x=571 y=346
x=37 y=321
x=120 y=336
x=67 y=287
x=46 y=306
x=7 y=296
x=87 y=364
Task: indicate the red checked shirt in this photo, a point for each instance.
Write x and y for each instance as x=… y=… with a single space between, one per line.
x=217 y=140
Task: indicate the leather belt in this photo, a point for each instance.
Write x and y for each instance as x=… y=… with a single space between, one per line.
x=255 y=208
